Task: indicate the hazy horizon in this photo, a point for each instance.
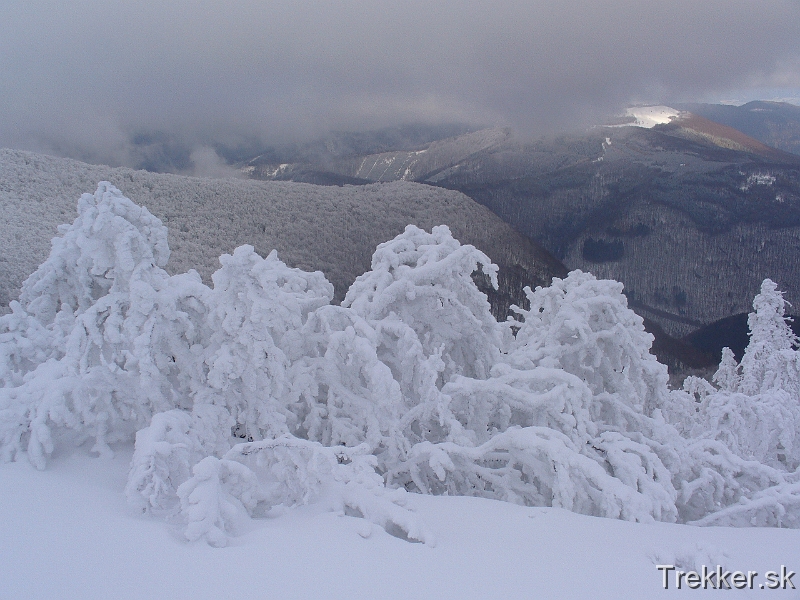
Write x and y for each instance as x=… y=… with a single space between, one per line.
x=119 y=84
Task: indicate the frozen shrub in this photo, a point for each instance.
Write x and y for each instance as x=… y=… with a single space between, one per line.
x=583 y=326
x=345 y=395
x=409 y=385
x=110 y=339
x=293 y=472
x=218 y=499
x=536 y=466
x=425 y=280
x=166 y=450
x=257 y=307
x=776 y=506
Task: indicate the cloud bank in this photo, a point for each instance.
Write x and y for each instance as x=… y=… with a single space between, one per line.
x=120 y=82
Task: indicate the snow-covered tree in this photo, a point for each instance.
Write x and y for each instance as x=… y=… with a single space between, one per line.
x=111 y=332
x=728 y=376
x=576 y=379
x=770 y=361
x=583 y=326
x=410 y=384
x=425 y=280
x=346 y=395
x=169 y=447
x=258 y=306
x=756 y=410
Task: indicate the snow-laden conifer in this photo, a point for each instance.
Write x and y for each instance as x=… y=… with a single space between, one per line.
x=746 y=453
x=770 y=361
x=755 y=411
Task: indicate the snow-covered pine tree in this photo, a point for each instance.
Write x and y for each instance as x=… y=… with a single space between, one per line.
x=756 y=410
x=771 y=360
x=744 y=439
x=728 y=376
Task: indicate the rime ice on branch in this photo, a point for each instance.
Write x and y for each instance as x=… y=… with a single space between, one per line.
x=259 y=392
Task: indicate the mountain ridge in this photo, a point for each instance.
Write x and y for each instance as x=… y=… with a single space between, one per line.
x=775 y=124
x=612 y=199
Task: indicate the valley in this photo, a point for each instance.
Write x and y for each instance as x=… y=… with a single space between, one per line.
x=690 y=214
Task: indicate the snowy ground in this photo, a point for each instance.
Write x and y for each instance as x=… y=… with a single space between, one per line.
x=67 y=533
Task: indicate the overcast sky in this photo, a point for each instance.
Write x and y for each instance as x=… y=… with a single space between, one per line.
x=88 y=78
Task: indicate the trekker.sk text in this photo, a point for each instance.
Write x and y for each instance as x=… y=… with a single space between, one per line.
x=720 y=579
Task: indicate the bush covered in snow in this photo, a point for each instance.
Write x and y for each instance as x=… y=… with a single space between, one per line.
x=753 y=411
x=259 y=392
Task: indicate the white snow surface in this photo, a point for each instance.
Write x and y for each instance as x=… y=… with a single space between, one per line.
x=650 y=116
x=67 y=533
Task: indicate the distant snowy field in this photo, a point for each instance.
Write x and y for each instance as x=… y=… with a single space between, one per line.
x=650 y=116
x=68 y=533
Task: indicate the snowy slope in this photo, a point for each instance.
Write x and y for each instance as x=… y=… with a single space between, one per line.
x=67 y=533
x=650 y=116
x=418 y=165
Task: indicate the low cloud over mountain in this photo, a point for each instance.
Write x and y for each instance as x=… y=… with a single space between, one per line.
x=147 y=83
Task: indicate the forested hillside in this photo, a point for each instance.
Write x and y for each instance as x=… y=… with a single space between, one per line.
x=331 y=229
x=689 y=225
x=775 y=124
x=691 y=215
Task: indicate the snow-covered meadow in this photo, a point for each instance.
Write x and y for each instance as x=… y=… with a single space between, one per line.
x=67 y=533
x=319 y=442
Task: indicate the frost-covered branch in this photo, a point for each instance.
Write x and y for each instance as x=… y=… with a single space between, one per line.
x=258 y=392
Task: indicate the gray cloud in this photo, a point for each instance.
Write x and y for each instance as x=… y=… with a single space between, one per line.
x=98 y=80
